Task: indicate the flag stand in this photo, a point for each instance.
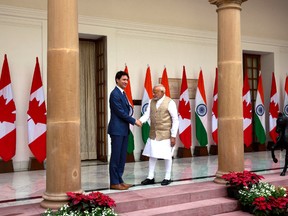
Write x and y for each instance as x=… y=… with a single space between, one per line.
x=143 y=157
x=6 y=166
x=213 y=149
x=200 y=151
x=248 y=149
x=184 y=152
x=130 y=158
x=34 y=164
x=259 y=147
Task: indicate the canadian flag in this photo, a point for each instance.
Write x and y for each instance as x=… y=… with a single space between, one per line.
x=285 y=105
x=215 y=110
x=165 y=82
x=7 y=115
x=273 y=110
x=184 y=108
x=247 y=113
x=37 y=117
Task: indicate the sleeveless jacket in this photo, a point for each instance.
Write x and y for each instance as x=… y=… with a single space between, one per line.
x=161 y=121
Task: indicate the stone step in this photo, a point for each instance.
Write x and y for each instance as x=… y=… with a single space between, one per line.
x=204 y=198
x=196 y=208
x=135 y=200
x=234 y=213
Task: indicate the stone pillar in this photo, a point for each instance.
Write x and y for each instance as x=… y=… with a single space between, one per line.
x=230 y=82
x=63 y=172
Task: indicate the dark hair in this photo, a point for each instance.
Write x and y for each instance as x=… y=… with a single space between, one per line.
x=119 y=74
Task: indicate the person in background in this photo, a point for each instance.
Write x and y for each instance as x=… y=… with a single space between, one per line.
x=164 y=123
x=118 y=129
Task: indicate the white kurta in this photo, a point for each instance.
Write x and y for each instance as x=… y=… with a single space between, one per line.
x=161 y=149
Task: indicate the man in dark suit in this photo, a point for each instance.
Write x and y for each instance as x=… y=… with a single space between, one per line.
x=118 y=129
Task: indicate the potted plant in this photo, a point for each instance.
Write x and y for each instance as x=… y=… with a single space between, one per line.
x=79 y=204
x=264 y=199
x=239 y=180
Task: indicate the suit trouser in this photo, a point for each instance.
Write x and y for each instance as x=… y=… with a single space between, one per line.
x=118 y=158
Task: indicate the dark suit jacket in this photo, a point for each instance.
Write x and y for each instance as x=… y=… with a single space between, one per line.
x=119 y=114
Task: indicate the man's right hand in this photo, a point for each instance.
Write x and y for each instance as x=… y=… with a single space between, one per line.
x=138 y=123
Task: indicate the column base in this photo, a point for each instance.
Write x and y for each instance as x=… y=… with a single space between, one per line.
x=130 y=158
x=6 y=166
x=184 y=152
x=55 y=201
x=200 y=151
x=218 y=178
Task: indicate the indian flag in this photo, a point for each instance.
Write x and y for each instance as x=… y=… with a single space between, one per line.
x=201 y=112
x=259 y=117
x=127 y=90
x=147 y=96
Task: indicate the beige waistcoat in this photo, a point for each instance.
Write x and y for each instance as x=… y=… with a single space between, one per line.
x=161 y=121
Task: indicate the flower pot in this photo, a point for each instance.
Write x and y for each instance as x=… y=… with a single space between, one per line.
x=233 y=192
x=247 y=208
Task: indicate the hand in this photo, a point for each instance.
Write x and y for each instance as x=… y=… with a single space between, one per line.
x=173 y=141
x=138 y=123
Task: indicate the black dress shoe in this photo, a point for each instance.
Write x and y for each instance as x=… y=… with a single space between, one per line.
x=148 y=181
x=166 y=182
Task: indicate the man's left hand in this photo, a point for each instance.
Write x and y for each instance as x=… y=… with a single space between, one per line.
x=173 y=141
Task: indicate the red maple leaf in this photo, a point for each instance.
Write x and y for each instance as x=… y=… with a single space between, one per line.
x=36 y=112
x=274 y=109
x=6 y=110
x=184 y=109
x=247 y=109
x=215 y=108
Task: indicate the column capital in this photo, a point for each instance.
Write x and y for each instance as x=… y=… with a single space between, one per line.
x=219 y=3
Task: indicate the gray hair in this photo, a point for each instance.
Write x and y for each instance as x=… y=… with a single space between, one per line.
x=161 y=87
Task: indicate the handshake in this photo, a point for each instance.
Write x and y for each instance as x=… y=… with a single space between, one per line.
x=138 y=123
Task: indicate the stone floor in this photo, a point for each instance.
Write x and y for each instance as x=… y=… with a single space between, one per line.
x=27 y=187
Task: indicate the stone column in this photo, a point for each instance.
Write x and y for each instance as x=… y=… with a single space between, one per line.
x=230 y=82
x=63 y=172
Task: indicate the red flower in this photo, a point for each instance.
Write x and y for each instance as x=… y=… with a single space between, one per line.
x=262 y=204
x=82 y=202
x=245 y=178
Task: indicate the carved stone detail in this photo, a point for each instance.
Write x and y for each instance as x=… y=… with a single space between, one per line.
x=219 y=3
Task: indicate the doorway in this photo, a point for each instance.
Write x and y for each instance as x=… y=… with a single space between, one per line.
x=93 y=102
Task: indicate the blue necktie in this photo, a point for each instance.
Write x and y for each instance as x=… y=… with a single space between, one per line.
x=126 y=99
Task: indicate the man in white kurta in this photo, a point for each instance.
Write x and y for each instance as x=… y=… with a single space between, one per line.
x=163 y=115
